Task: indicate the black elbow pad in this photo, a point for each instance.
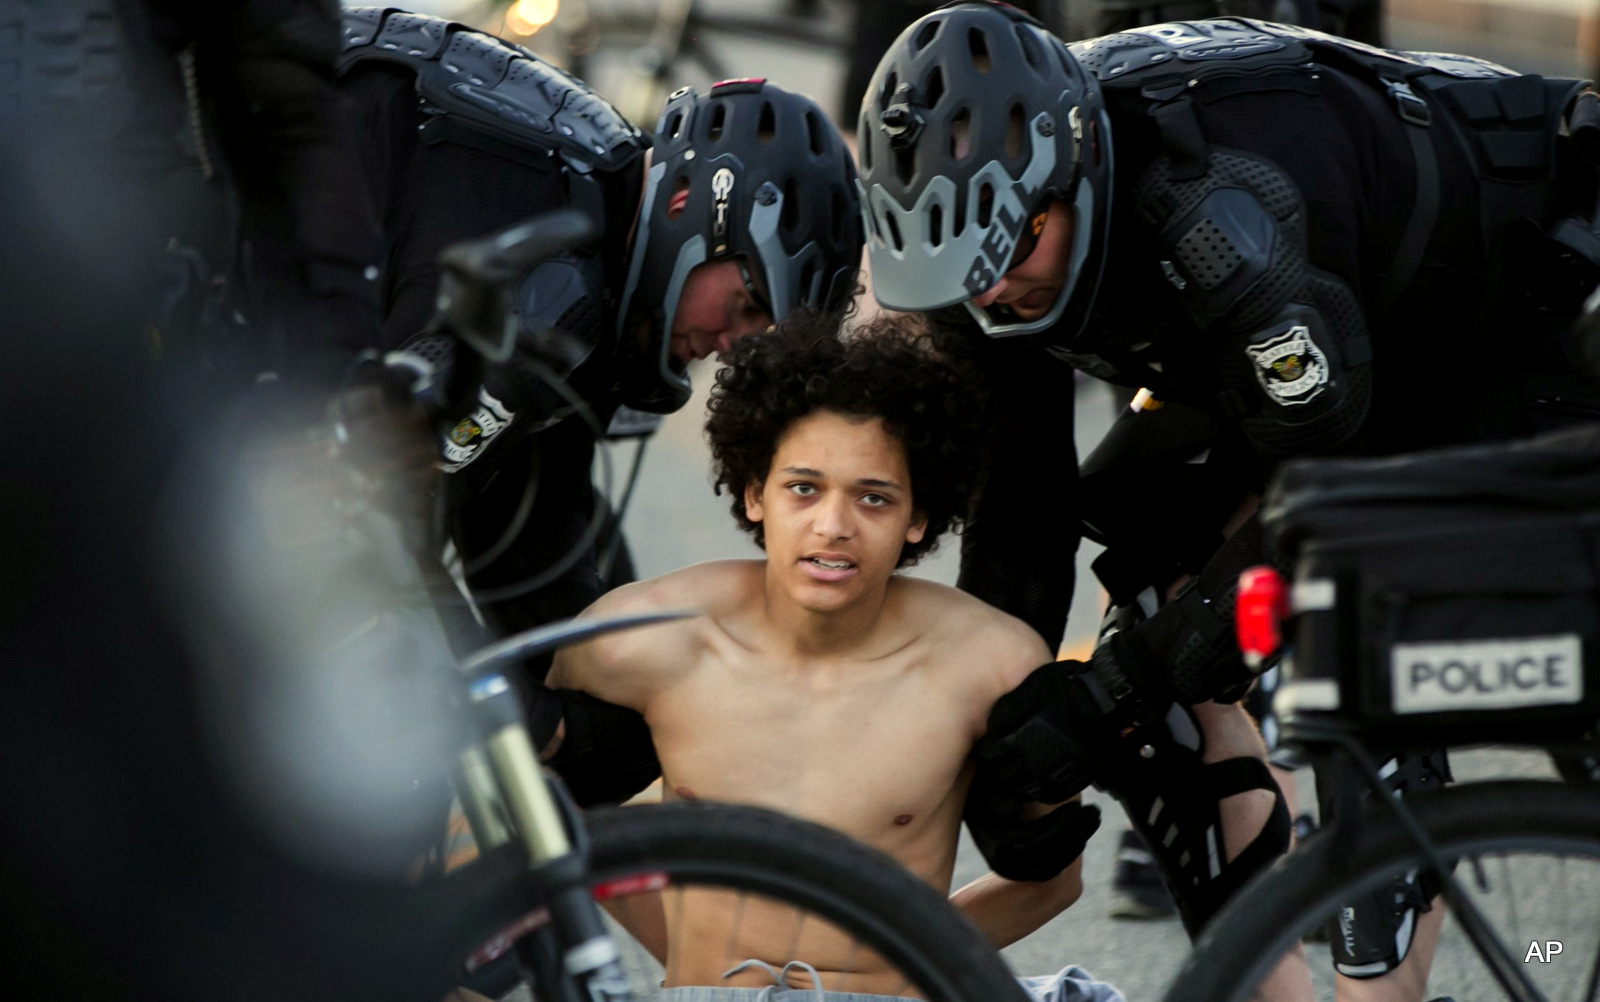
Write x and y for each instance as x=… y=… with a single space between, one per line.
x=606 y=753
x=1038 y=849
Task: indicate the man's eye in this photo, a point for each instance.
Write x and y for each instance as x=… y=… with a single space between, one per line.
x=874 y=500
x=804 y=490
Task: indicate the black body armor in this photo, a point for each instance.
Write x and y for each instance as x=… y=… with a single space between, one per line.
x=1289 y=349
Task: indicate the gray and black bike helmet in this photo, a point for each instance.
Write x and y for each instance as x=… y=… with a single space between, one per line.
x=975 y=117
x=749 y=172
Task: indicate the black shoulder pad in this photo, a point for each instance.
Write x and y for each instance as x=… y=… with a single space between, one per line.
x=501 y=90
x=1140 y=56
x=1232 y=237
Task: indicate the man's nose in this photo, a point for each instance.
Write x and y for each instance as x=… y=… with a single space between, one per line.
x=993 y=293
x=833 y=518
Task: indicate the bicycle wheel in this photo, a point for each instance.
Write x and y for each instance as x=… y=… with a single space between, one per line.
x=693 y=890
x=1527 y=854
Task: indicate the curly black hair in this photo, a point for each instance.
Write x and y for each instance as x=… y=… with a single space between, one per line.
x=891 y=367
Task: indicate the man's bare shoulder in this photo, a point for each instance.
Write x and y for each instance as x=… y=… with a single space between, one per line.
x=715 y=587
x=975 y=632
x=627 y=666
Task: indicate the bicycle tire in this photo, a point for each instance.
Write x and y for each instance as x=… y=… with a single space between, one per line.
x=1267 y=917
x=861 y=891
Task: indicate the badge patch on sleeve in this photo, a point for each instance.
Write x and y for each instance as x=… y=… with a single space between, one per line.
x=466 y=441
x=1290 y=367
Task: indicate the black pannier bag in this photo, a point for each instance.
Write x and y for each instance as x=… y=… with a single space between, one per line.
x=1451 y=595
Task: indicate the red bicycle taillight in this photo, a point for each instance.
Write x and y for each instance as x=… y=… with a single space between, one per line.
x=636 y=884
x=1262 y=605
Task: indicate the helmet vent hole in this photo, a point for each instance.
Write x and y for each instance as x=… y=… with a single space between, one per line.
x=836 y=218
x=767 y=124
x=935 y=225
x=961 y=135
x=894 y=232
x=719 y=118
x=926 y=36
x=675 y=125
x=814 y=133
x=1016 y=132
x=1030 y=47
x=985 y=205
x=935 y=89
x=865 y=143
x=890 y=83
x=978 y=45
x=790 y=217
x=679 y=199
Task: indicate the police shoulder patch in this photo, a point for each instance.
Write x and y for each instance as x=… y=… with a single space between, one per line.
x=1290 y=367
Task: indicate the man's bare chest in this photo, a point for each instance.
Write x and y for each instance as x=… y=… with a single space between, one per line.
x=857 y=752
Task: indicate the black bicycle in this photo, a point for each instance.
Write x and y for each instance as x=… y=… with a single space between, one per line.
x=1443 y=600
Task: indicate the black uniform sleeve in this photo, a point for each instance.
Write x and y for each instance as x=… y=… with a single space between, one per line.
x=432 y=193
x=1018 y=552
x=307 y=215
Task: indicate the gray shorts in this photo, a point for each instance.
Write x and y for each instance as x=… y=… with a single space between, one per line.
x=1070 y=984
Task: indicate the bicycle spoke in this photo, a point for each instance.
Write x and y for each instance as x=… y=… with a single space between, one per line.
x=1505 y=872
x=1593 y=991
x=794 y=944
x=733 y=929
x=677 y=924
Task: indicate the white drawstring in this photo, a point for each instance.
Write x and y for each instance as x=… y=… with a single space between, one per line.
x=780 y=978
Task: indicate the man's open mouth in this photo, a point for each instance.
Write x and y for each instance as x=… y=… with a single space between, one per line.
x=832 y=565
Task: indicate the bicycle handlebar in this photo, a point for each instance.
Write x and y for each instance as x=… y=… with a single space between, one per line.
x=477 y=276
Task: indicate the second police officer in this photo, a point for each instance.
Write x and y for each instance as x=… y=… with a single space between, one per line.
x=1296 y=245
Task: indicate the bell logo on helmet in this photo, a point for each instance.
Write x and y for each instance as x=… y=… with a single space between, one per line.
x=995 y=251
x=721 y=188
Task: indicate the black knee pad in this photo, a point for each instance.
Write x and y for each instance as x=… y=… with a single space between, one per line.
x=1172 y=797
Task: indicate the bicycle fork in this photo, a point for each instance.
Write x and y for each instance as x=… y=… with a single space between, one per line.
x=506 y=794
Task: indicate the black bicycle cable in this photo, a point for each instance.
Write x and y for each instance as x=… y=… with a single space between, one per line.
x=513 y=529
x=614 y=544
x=591 y=532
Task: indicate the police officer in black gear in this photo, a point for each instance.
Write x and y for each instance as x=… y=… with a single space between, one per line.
x=746 y=212
x=1296 y=245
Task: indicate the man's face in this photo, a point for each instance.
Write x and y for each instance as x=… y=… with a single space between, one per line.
x=835 y=509
x=714 y=311
x=1030 y=288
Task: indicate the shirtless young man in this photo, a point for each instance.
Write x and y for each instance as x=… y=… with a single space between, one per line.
x=818 y=682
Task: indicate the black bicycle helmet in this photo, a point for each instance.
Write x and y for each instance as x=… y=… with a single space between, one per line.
x=750 y=172
x=975 y=117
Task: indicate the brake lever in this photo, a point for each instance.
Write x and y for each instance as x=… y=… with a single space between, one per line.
x=477 y=276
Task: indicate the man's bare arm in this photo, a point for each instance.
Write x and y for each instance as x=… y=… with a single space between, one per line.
x=1007 y=910
x=623 y=667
